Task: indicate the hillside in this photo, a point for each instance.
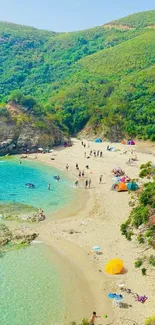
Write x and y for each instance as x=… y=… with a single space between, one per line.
x=104 y=75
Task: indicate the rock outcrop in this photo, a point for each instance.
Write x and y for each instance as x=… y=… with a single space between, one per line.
x=21 y=132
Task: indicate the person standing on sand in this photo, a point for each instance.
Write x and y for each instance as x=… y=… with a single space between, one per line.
x=76 y=183
x=83 y=173
x=86 y=183
x=49 y=187
x=100 y=179
x=93 y=317
x=80 y=174
x=67 y=166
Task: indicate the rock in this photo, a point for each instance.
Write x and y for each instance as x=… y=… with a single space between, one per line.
x=26 y=136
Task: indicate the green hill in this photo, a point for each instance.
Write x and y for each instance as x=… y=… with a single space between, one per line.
x=104 y=75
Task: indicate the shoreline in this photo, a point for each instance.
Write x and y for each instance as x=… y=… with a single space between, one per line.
x=98 y=222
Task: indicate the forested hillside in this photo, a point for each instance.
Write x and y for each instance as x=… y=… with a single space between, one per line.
x=103 y=75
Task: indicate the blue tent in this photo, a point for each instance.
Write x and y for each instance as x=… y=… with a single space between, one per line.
x=98 y=140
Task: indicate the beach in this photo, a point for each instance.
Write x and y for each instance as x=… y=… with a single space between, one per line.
x=95 y=220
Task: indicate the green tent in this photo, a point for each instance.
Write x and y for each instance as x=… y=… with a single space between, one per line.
x=132 y=186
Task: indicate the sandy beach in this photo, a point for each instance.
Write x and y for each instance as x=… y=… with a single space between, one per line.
x=95 y=219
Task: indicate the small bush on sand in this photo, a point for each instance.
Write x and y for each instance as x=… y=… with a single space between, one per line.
x=138 y=263
x=144 y=271
x=140 y=239
x=150 y=321
x=152 y=260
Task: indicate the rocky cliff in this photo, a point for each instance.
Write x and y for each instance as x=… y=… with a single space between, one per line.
x=21 y=132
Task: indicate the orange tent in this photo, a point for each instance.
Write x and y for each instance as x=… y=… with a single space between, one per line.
x=114 y=266
x=121 y=187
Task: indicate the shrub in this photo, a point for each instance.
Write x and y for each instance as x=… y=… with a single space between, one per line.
x=144 y=271
x=152 y=260
x=140 y=239
x=150 y=321
x=140 y=216
x=149 y=233
x=138 y=263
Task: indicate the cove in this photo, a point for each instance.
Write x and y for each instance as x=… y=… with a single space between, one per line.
x=14 y=176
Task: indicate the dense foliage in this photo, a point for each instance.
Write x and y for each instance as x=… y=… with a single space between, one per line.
x=104 y=75
x=143 y=213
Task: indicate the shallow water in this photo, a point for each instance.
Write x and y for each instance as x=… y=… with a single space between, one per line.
x=30 y=290
x=14 y=176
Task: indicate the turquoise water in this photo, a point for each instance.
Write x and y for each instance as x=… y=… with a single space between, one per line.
x=14 y=176
x=30 y=291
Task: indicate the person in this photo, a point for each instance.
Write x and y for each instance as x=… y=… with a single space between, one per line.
x=89 y=183
x=91 y=152
x=98 y=152
x=86 y=183
x=67 y=166
x=79 y=173
x=93 y=317
x=49 y=187
x=83 y=173
x=94 y=153
x=108 y=147
x=77 y=166
x=58 y=178
x=20 y=162
x=87 y=166
x=100 y=179
x=101 y=154
x=76 y=183
x=82 y=143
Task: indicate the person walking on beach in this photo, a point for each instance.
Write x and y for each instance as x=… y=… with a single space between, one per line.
x=80 y=174
x=49 y=187
x=86 y=183
x=100 y=179
x=83 y=173
x=89 y=183
x=93 y=317
x=76 y=183
x=77 y=166
x=67 y=166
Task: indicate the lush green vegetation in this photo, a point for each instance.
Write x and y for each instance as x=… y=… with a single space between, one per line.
x=104 y=75
x=141 y=222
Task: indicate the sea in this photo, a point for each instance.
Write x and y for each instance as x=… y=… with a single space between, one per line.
x=30 y=286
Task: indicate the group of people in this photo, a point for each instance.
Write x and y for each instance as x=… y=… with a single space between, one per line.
x=96 y=153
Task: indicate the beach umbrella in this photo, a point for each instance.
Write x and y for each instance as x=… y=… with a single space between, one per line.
x=114 y=266
x=96 y=248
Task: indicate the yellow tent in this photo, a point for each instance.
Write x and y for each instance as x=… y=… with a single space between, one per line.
x=114 y=266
